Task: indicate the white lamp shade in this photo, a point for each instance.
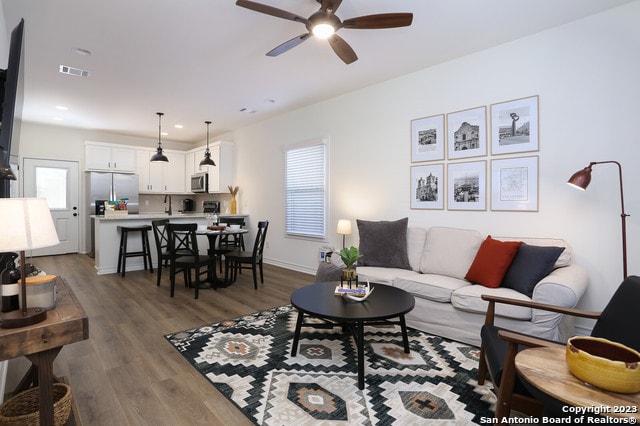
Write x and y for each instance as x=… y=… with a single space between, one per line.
x=344 y=227
x=26 y=224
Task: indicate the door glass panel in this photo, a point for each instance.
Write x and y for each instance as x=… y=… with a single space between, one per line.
x=51 y=183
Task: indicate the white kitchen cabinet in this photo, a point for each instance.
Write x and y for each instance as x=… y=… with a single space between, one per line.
x=173 y=173
x=160 y=177
x=109 y=157
x=220 y=175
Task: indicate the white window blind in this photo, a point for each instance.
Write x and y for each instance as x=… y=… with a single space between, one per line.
x=306 y=190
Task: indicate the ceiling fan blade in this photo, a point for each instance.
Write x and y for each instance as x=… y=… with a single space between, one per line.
x=383 y=20
x=342 y=49
x=288 y=45
x=336 y=5
x=269 y=10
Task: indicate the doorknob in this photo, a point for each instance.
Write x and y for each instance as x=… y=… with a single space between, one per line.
x=75 y=214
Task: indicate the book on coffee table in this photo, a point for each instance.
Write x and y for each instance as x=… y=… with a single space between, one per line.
x=339 y=291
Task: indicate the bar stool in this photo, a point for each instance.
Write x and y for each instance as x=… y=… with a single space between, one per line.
x=145 y=252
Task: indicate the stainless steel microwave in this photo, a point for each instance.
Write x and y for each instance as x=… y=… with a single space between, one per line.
x=200 y=182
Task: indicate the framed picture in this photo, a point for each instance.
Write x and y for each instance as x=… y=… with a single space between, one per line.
x=427 y=186
x=467 y=186
x=514 y=184
x=427 y=139
x=514 y=126
x=467 y=133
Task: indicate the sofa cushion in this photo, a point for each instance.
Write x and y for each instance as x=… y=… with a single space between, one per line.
x=492 y=261
x=381 y=275
x=469 y=298
x=384 y=243
x=428 y=286
x=449 y=251
x=530 y=265
x=416 y=238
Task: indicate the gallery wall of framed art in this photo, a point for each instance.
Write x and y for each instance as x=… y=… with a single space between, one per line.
x=464 y=160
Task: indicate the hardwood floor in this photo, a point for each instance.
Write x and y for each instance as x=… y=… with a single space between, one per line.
x=127 y=373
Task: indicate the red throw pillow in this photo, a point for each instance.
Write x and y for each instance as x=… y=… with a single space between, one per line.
x=492 y=261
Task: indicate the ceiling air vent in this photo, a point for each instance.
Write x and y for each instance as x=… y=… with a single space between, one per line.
x=65 y=69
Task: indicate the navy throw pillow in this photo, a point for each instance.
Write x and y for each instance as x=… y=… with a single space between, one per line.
x=531 y=264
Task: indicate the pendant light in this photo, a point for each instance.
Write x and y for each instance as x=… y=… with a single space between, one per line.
x=159 y=156
x=207 y=161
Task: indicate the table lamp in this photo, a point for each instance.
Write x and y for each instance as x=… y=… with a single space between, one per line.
x=344 y=229
x=581 y=180
x=26 y=224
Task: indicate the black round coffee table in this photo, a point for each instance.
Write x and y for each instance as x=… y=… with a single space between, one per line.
x=385 y=303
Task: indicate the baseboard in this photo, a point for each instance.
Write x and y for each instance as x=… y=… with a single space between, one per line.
x=292 y=266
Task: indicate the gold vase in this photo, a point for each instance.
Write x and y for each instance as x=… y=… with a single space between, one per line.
x=234 y=205
x=349 y=277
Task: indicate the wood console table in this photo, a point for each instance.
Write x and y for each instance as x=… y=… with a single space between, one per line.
x=546 y=369
x=41 y=343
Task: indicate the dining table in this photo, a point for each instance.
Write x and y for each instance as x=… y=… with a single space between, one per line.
x=212 y=237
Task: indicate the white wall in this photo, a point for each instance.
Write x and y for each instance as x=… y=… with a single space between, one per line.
x=587 y=77
x=586 y=74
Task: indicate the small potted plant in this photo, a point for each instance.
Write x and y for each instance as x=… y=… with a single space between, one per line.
x=349 y=257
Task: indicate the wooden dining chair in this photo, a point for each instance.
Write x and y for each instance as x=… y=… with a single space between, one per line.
x=185 y=255
x=161 y=236
x=500 y=347
x=229 y=242
x=237 y=260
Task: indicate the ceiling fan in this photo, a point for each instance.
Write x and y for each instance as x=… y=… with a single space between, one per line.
x=324 y=24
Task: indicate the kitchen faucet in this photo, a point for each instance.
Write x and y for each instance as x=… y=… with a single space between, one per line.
x=165 y=201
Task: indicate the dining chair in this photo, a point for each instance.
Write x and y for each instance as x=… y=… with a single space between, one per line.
x=500 y=347
x=237 y=260
x=161 y=235
x=229 y=242
x=184 y=254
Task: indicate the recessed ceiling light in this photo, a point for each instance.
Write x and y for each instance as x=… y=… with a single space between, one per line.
x=62 y=108
x=57 y=118
x=81 y=51
x=164 y=134
x=178 y=126
x=247 y=110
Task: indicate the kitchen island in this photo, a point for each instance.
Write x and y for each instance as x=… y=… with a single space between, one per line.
x=107 y=237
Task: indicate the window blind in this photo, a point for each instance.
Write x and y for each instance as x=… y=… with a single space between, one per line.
x=306 y=190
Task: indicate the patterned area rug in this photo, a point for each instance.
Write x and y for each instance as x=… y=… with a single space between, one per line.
x=248 y=360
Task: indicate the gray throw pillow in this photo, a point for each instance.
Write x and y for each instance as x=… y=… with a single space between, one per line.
x=328 y=272
x=531 y=264
x=384 y=243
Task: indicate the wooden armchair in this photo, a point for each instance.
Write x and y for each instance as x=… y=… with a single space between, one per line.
x=499 y=347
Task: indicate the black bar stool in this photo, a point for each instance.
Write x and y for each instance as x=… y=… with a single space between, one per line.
x=146 y=250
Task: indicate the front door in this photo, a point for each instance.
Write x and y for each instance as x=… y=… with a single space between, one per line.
x=57 y=181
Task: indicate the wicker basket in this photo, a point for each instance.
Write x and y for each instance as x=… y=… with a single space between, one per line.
x=23 y=408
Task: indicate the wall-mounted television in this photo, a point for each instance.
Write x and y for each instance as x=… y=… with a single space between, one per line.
x=11 y=94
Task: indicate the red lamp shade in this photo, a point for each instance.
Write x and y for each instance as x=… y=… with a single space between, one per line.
x=581 y=178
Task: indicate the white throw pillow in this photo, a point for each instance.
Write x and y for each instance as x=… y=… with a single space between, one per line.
x=449 y=251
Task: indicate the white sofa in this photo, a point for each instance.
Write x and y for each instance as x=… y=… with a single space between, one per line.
x=450 y=306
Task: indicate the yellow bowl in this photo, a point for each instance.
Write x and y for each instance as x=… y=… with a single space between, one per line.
x=608 y=365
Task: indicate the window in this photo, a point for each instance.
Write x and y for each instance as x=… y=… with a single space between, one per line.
x=306 y=189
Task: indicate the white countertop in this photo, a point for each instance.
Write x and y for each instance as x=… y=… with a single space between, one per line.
x=162 y=215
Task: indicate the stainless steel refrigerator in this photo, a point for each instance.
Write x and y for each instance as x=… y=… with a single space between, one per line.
x=110 y=186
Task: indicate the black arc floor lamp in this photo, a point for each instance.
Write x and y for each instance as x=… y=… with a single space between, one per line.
x=581 y=180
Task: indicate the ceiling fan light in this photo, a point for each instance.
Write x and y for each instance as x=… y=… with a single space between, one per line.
x=323 y=30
